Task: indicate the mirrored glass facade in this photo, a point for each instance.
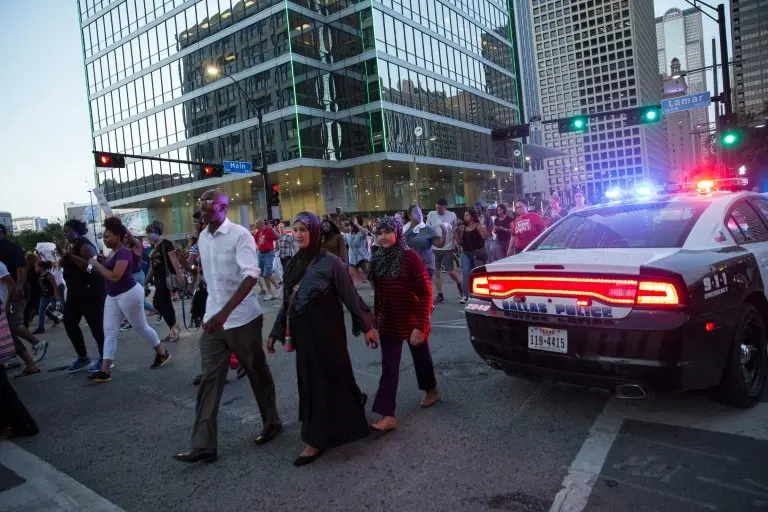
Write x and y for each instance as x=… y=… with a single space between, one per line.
x=357 y=99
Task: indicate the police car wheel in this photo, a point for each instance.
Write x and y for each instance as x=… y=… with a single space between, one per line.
x=745 y=371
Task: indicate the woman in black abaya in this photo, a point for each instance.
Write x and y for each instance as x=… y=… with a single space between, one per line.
x=331 y=405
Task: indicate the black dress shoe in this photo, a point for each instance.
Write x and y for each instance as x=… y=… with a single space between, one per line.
x=196 y=455
x=303 y=460
x=269 y=433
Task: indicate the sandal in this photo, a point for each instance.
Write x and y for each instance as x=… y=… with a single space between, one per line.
x=26 y=373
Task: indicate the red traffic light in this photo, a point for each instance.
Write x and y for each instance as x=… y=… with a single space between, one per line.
x=208 y=170
x=276 y=188
x=113 y=160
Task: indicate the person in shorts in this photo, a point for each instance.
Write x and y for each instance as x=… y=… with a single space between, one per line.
x=265 y=238
x=444 y=255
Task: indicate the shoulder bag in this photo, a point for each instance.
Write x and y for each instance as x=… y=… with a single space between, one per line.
x=180 y=282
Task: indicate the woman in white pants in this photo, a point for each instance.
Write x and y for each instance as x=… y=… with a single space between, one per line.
x=125 y=298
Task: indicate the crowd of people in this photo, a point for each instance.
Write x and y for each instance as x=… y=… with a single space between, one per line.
x=317 y=259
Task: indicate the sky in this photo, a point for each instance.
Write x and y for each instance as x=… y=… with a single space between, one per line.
x=45 y=129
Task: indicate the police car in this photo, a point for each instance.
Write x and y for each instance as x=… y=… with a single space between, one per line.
x=642 y=295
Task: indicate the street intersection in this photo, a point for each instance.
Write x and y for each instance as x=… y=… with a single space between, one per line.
x=492 y=443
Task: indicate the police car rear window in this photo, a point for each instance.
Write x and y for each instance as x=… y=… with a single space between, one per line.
x=646 y=225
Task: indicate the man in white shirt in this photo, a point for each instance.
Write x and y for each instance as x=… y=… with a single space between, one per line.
x=232 y=322
x=444 y=255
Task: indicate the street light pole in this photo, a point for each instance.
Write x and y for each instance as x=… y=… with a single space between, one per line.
x=217 y=71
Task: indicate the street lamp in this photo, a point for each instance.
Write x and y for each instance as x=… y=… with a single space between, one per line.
x=214 y=71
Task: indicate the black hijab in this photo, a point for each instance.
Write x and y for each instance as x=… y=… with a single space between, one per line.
x=301 y=260
x=386 y=261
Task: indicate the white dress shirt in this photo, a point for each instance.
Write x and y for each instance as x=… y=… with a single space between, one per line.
x=228 y=256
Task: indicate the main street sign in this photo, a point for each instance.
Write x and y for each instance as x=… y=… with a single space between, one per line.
x=683 y=103
x=237 y=167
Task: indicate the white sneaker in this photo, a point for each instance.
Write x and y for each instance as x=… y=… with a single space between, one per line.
x=39 y=351
x=159 y=320
x=269 y=296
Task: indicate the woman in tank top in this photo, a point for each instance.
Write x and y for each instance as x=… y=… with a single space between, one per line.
x=472 y=235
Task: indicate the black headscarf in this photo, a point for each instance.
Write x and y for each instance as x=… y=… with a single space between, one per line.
x=386 y=261
x=301 y=260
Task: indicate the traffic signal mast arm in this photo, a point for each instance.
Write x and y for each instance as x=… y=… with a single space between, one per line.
x=158 y=159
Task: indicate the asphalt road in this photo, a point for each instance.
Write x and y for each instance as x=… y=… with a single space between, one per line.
x=492 y=443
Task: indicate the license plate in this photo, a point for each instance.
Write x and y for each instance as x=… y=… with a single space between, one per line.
x=548 y=340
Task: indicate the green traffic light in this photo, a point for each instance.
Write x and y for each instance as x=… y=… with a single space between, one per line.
x=651 y=115
x=579 y=123
x=730 y=138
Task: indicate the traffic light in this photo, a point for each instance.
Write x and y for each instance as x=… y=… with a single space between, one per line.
x=730 y=134
x=573 y=124
x=643 y=115
x=274 y=196
x=211 y=171
x=515 y=131
x=113 y=160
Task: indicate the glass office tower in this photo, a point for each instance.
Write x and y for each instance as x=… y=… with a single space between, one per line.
x=367 y=106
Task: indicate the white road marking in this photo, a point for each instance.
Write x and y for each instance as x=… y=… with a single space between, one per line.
x=586 y=467
x=733 y=487
x=46 y=488
x=682 y=410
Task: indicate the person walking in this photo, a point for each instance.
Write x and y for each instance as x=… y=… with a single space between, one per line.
x=31 y=288
x=85 y=292
x=527 y=226
x=502 y=226
x=232 y=323
x=331 y=405
x=12 y=255
x=437 y=219
x=286 y=249
x=125 y=298
x=49 y=294
x=333 y=242
x=265 y=238
x=15 y=420
x=359 y=254
x=421 y=238
x=402 y=304
x=8 y=289
x=164 y=267
x=472 y=235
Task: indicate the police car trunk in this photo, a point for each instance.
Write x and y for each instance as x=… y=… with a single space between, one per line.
x=593 y=301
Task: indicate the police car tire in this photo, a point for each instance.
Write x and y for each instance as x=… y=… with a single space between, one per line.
x=732 y=390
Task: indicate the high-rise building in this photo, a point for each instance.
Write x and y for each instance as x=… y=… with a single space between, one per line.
x=749 y=32
x=29 y=224
x=336 y=98
x=681 y=137
x=6 y=219
x=592 y=59
x=680 y=38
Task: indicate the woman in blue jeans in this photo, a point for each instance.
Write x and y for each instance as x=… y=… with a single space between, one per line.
x=472 y=235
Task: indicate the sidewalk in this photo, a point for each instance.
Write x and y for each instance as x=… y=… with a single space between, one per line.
x=29 y=484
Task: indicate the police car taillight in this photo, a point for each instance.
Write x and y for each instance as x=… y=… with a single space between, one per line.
x=652 y=290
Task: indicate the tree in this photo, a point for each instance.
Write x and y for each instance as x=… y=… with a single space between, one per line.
x=29 y=239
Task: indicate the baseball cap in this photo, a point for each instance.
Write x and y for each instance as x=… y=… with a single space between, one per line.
x=442 y=202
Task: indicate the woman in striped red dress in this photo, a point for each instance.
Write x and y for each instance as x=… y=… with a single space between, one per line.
x=402 y=305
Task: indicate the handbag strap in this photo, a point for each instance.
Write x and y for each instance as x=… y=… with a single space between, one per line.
x=165 y=257
x=295 y=291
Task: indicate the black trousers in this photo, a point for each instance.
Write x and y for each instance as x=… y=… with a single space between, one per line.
x=164 y=303
x=90 y=306
x=13 y=414
x=30 y=310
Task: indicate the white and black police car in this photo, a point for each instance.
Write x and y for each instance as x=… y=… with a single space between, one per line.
x=653 y=294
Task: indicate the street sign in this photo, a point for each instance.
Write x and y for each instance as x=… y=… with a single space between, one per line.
x=102 y=200
x=237 y=167
x=683 y=103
